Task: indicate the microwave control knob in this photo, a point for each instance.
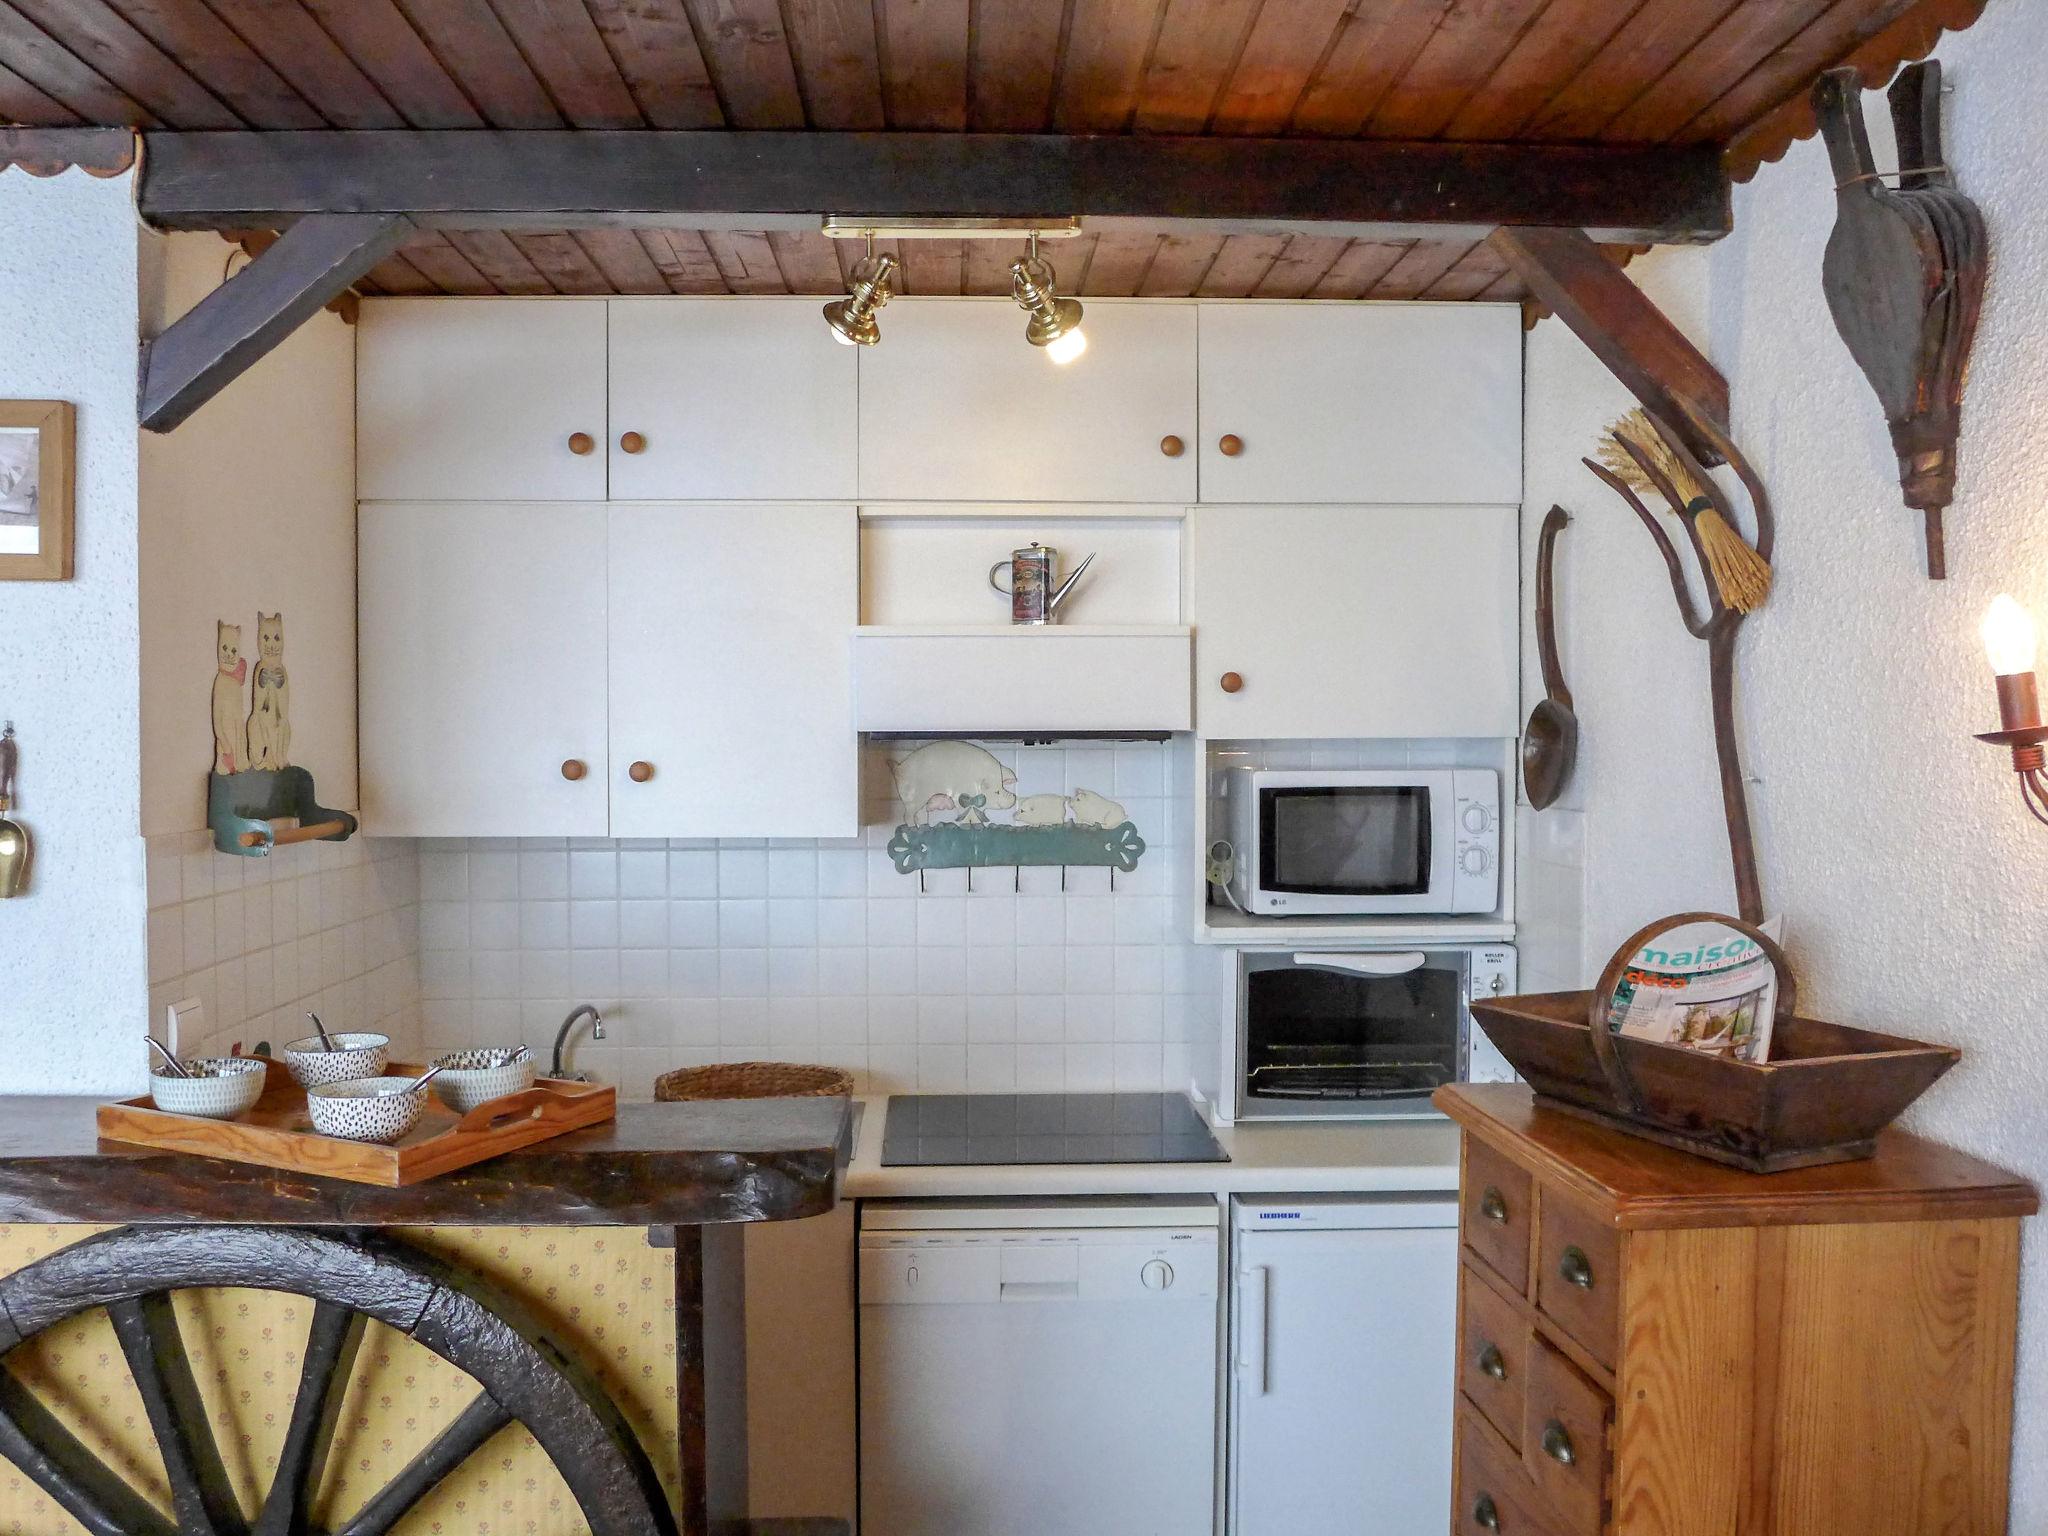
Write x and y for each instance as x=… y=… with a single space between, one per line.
x=1498 y=984
x=1157 y=1275
x=1473 y=861
x=1476 y=818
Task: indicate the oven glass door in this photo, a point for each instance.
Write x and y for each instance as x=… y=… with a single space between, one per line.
x=1341 y=1033
x=1345 y=840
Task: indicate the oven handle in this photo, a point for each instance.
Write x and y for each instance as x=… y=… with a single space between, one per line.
x=1253 y=1324
x=1398 y=964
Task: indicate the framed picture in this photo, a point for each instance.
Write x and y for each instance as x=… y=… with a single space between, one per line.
x=35 y=490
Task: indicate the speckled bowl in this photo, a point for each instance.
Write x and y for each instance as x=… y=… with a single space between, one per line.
x=366 y=1108
x=220 y=1088
x=356 y=1056
x=476 y=1076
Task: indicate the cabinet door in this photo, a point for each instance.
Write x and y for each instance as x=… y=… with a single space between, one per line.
x=1361 y=402
x=730 y=681
x=1354 y=621
x=956 y=406
x=480 y=400
x=482 y=659
x=727 y=400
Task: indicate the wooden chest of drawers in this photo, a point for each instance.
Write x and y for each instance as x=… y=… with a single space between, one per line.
x=1652 y=1345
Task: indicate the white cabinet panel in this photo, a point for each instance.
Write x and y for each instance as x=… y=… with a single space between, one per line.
x=1054 y=680
x=1354 y=621
x=956 y=406
x=730 y=628
x=482 y=650
x=477 y=399
x=748 y=398
x=1362 y=402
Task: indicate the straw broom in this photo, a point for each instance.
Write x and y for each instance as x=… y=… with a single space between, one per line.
x=1739 y=573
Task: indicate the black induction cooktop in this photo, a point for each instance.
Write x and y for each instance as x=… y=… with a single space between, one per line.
x=940 y=1129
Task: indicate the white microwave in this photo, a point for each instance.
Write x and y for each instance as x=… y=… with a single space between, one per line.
x=1320 y=842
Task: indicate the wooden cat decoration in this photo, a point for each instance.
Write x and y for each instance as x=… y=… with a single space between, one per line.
x=270 y=725
x=230 y=740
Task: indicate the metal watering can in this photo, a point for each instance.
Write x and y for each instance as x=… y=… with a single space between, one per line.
x=1034 y=591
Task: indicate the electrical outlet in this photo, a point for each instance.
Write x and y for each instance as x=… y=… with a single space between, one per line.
x=184 y=1023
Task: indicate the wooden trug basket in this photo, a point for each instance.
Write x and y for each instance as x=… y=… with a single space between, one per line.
x=752 y=1080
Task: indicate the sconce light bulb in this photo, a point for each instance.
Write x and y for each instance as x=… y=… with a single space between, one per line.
x=2008 y=633
x=1070 y=345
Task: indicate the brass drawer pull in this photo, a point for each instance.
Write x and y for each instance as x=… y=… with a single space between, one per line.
x=1493 y=1205
x=1491 y=1362
x=1484 y=1514
x=1557 y=1445
x=1575 y=1269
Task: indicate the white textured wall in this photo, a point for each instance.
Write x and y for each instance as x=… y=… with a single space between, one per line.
x=1914 y=885
x=71 y=951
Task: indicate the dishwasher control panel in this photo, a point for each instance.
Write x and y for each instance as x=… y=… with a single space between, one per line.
x=1035 y=1266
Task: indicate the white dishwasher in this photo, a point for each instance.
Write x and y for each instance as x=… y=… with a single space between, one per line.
x=1344 y=1322
x=1038 y=1370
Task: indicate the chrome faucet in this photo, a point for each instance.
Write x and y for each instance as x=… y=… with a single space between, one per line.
x=562 y=1038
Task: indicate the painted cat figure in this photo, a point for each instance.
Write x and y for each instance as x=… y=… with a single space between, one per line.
x=230 y=741
x=270 y=724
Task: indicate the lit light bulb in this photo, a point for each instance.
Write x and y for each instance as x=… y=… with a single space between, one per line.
x=1070 y=345
x=2008 y=632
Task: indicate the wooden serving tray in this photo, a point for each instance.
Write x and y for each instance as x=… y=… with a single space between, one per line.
x=277 y=1133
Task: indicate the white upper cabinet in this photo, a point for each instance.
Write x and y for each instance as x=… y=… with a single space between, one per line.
x=731 y=681
x=482 y=665
x=956 y=406
x=721 y=399
x=1354 y=621
x=1390 y=403
x=481 y=400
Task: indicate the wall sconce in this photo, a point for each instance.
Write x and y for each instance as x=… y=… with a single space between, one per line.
x=1055 y=323
x=14 y=843
x=2008 y=632
x=853 y=318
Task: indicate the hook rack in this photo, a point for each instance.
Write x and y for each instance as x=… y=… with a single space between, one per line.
x=244 y=810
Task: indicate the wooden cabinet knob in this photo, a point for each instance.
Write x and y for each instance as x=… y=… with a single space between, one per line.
x=640 y=773
x=1230 y=682
x=1230 y=445
x=574 y=769
x=1172 y=447
x=581 y=442
x=632 y=442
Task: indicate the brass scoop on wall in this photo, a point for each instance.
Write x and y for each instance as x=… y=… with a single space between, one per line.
x=1550 y=741
x=14 y=844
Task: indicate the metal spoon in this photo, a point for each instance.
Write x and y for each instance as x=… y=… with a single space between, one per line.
x=424 y=1078
x=177 y=1067
x=326 y=1044
x=1550 y=741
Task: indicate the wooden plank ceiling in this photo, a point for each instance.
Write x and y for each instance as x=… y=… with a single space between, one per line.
x=1731 y=72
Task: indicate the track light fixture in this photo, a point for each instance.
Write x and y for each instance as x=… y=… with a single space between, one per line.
x=1055 y=323
x=853 y=318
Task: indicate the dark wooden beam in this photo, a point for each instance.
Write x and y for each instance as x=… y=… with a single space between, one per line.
x=1567 y=273
x=553 y=180
x=207 y=349
x=47 y=151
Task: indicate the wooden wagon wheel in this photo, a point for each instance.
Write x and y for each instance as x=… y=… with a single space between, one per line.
x=131 y=1273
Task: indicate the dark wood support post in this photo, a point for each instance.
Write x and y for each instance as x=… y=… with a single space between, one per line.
x=206 y=350
x=711 y=1375
x=1568 y=274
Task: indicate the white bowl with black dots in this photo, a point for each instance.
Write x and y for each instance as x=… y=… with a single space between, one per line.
x=220 y=1087
x=476 y=1076
x=366 y=1108
x=357 y=1054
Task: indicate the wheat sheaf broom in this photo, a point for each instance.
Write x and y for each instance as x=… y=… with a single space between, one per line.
x=1739 y=573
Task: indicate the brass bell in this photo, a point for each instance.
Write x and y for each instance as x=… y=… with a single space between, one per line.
x=14 y=843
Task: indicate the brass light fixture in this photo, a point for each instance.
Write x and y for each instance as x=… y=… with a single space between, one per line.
x=14 y=843
x=2008 y=632
x=1055 y=323
x=853 y=318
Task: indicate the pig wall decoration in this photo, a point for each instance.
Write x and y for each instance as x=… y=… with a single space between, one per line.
x=948 y=789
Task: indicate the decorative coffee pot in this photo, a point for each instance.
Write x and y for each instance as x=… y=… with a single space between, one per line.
x=14 y=847
x=1034 y=591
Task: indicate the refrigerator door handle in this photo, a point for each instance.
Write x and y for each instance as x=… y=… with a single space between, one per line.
x=1254 y=1326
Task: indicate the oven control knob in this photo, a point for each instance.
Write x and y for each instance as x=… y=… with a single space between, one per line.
x=1476 y=818
x=1473 y=861
x=1157 y=1275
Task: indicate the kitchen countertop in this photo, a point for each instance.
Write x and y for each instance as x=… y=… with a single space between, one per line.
x=1315 y=1157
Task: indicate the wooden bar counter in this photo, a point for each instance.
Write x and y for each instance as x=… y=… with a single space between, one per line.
x=194 y=1346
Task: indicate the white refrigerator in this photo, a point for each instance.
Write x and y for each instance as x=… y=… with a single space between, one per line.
x=1343 y=1334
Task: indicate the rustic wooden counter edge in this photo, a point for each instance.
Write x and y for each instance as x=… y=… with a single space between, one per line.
x=1638 y=1185
x=656 y=1165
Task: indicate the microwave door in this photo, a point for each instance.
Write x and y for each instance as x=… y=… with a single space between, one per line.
x=1382 y=847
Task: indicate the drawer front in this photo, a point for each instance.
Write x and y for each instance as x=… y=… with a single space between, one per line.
x=1493 y=1352
x=1564 y=1440
x=1496 y=1224
x=1578 y=1277
x=1495 y=1496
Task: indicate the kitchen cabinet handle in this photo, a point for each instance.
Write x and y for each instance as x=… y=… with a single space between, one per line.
x=632 y=442
x=1557 y=1445
x=1492 y=1362
x=1485 y=1514
x=1575 y=1269
x=581 y=443
x=1172 y=446
x=1493 y=1205
x=1230 y=682
x=574 y=769
x=1253 y=1325
x=1230 y=445
x=640 y=772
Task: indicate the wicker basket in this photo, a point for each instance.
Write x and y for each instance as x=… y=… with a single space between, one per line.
x=752 y=1080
